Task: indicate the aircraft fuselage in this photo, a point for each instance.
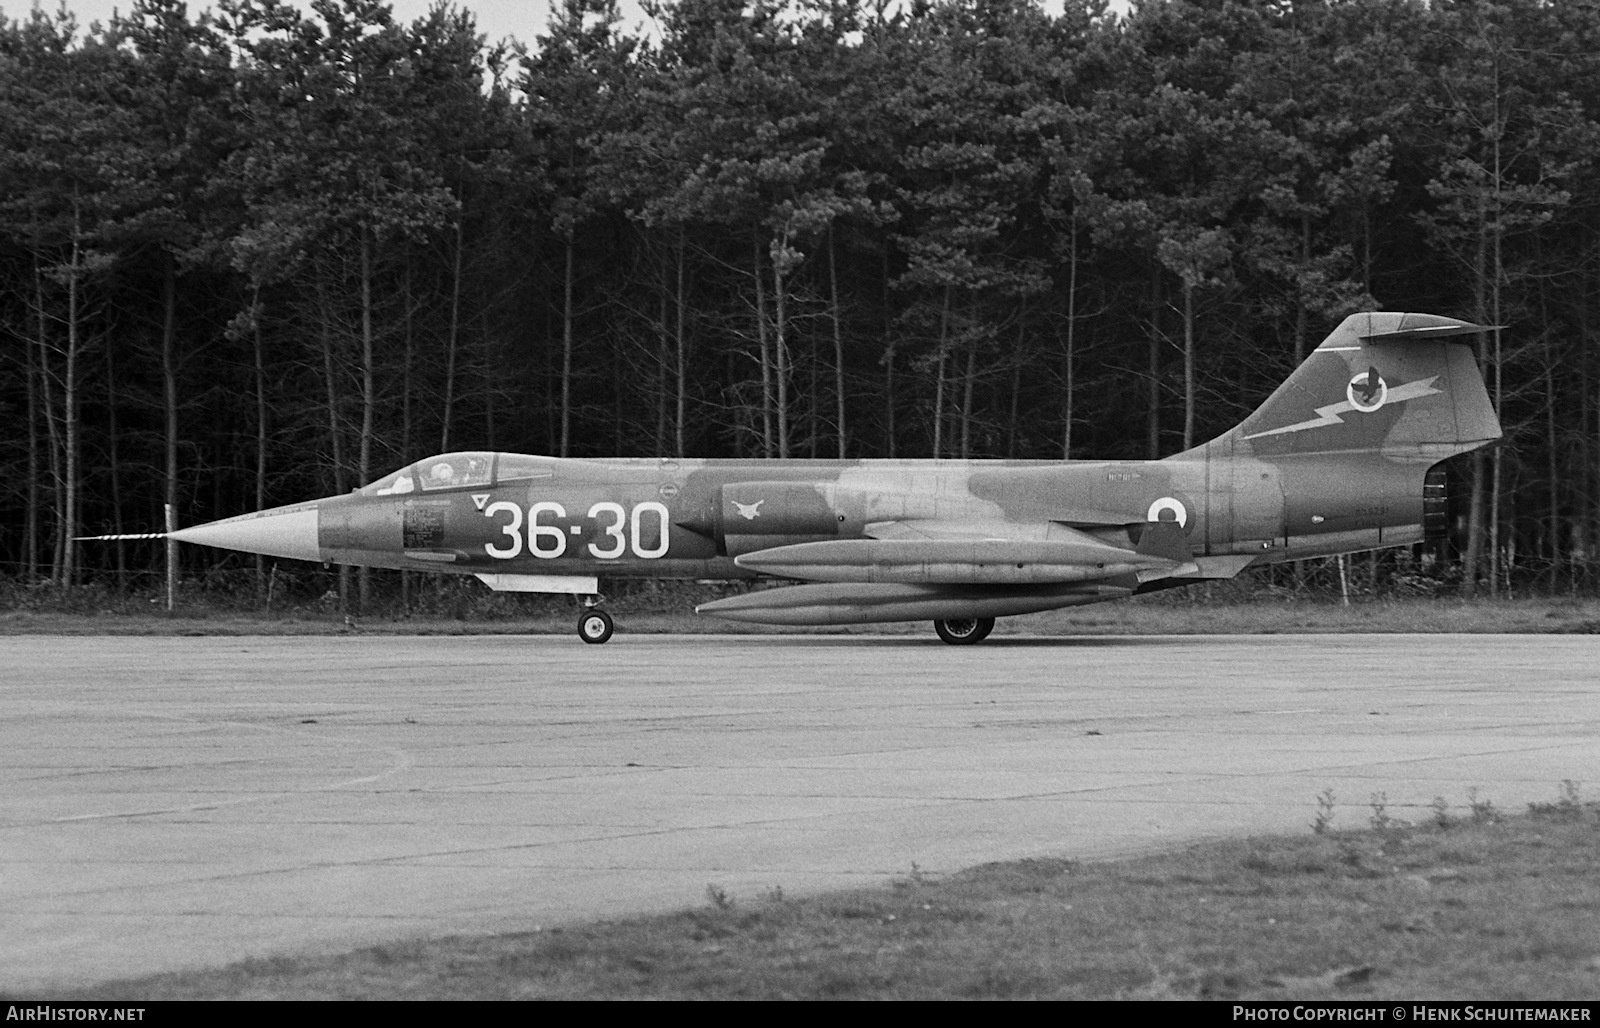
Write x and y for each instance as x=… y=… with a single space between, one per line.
x=1338 y=459
x=689 y=518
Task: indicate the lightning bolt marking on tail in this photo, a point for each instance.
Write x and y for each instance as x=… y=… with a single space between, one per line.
x=1329 y=414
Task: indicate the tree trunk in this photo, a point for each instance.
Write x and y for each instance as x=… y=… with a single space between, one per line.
x=335 y=431
x=169 y=407
x=1153 y=415
x=1071 y=340
x=1471 y=559
x=966 y=403
x=1552 y=468
x=491 y=386
x=619 y=356
x=1553 y=471
x=369 y=401
x=52 y=421
x=838 y=347
x=1301 y=342
x=566 y=351
x=1584 y=517
x=408 y=364
x=661 y=364
x=70 y=407
x=30 y=530
x=888 y=366
x=1497 y=269
x=813 y=409
x=452 y=345
x=680 y=431
x=265 y=583
x=1016 y=404
x=1188 y=365
x=766 y=354
x=938 y=390
x=364 y=468
x=780 y=290
x=114 y=469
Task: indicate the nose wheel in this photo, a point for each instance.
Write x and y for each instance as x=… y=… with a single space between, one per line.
x=964 y=631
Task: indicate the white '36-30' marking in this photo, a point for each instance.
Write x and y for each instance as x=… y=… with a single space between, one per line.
x=619 y=530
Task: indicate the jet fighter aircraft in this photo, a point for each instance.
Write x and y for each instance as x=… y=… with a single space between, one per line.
x=1341 y=458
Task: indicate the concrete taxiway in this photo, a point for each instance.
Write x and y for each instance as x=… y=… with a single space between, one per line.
x=181 y=802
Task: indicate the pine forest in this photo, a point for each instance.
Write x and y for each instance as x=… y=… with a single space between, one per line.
x=264 y=252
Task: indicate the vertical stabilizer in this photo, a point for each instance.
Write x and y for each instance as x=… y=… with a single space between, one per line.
x=1396 y=385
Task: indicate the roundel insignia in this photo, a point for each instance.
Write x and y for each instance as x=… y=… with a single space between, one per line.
x=1367 y=391
x=1168 y=505
x=668 y=490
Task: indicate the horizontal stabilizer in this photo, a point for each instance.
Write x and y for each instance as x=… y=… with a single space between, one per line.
x=1411 y=333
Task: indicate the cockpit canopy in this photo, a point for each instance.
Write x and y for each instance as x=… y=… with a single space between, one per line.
x=447 y=471
x=472 y=468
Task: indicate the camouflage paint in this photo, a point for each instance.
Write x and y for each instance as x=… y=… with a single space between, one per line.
x=1334 y=461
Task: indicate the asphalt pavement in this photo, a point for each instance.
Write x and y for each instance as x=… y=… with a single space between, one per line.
x=168 y=803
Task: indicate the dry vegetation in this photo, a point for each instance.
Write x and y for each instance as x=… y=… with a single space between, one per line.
x=1468 y=906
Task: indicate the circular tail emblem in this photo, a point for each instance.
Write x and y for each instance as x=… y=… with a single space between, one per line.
x=1367 y=391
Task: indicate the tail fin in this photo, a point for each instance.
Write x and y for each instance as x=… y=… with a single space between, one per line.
x=1388 y=384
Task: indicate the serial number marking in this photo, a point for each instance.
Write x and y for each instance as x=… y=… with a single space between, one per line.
x=625 y=530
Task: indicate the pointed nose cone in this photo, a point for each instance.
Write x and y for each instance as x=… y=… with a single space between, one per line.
x=282 y=532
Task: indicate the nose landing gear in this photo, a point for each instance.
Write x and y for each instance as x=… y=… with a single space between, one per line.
x=594 y=625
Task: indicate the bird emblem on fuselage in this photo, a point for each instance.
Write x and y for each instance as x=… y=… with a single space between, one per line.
x=749 y=511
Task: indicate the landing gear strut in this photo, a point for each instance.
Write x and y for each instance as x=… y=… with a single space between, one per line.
x=964 y=631
x=594 y=625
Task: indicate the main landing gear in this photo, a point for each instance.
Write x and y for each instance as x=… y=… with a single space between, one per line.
x=964 y=631
x=594 y=625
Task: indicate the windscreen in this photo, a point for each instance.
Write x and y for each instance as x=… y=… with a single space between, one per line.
x=450 y=471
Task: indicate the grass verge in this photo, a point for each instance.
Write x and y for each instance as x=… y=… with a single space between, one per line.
x=1468 y=906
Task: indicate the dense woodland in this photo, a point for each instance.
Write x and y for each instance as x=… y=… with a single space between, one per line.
x=264 y=253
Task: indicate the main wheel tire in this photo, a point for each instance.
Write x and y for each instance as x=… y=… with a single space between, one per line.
x=595 y=626
x=964 y=631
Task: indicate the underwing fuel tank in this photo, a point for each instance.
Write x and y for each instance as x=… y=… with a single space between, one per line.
x=858 y=604
x=974 y=561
